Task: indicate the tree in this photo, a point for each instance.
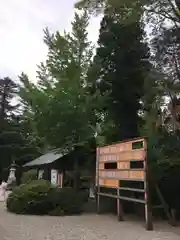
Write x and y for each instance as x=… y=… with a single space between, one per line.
x=122 y=60
x=132 y=7
x=8 y=89
x=60 y=103
x=165 y=48
x=14 y=137
x=162 y=104
x=98 y=5
x=157 y=10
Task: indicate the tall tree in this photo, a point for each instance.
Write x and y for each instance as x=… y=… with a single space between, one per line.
x=157 y=10
x=166 y=49
x=122 y=60
x=96 y=6
x=8 y=89
x=132 y=7
x=14 y=134
x=60 y=102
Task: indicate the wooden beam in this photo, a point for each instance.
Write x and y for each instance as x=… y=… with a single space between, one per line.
x=165 y=206
x=132 y=189
x=157 y=206
x=122 y=198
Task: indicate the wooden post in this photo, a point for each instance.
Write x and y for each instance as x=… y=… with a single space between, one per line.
x=120 y=214
x=98 y=204
x=165 y=206
x=173 y=213
x=148 y=206
x=76 y=183
x=148 y=211
x=97 y=179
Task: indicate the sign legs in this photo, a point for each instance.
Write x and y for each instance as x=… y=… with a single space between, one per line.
x=148 y=208
x=120 y=214
x=148 y=217
x=98 y=203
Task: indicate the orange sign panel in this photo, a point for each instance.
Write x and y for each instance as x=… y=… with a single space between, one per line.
x=121 y=161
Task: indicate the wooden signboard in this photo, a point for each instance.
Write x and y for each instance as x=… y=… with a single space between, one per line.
x=121 y=163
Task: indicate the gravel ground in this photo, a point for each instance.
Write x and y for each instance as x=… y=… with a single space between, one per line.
x=85 y=227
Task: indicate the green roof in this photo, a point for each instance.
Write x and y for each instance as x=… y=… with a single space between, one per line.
x=47 y=158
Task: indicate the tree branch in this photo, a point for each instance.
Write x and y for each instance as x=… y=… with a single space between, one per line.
x=165 y=15
x=174 y=9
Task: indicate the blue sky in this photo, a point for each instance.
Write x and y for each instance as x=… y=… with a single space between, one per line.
x=21 y=25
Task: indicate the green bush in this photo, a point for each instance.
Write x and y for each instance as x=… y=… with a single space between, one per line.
x=66 y=201
x=40 y=198
x=31 y=198
x=29 y=176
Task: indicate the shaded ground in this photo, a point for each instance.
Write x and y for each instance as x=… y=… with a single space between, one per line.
x=86 y=227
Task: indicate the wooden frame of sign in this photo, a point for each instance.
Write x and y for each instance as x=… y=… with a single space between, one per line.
x=120 y=163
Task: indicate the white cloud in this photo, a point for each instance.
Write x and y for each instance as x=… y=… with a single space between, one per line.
x=21 y=26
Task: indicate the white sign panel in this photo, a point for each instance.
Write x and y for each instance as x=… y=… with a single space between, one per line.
x=40 y=174
x=54 y=177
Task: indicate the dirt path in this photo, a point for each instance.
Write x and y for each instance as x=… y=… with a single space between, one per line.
x=86 y=227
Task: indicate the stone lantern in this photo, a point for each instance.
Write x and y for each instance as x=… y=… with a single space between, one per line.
x=12 y=176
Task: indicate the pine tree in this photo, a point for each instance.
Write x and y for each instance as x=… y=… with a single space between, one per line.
x=7 y=91
x=14 y=135
x=122 y=60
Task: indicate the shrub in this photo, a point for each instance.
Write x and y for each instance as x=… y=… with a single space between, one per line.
x=31 y=198
x=29 y=176
x=40 y=198
x=66 y=201
x=85 y=195
x=56 y=212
